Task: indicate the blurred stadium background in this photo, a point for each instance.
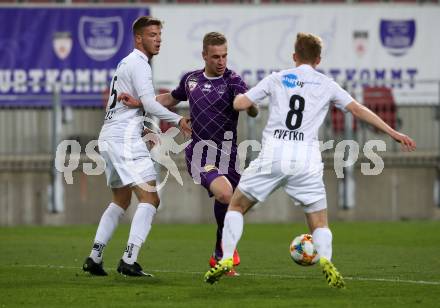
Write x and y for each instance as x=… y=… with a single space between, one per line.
x=57 y=58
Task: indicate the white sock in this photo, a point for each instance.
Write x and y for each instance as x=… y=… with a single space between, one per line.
x=232 y=231
x=107 y=226
x=322 y=240
x=140 y=227
x=131 y=253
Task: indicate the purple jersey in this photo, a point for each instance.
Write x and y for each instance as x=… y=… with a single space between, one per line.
x=212 y=113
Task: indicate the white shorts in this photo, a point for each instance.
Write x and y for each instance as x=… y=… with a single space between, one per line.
x=127 y=163
x=302 y=182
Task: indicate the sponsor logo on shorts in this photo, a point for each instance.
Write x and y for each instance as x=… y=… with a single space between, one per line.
x=209 y=168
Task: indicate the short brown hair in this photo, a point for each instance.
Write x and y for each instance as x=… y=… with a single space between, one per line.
x=308 y=47
x=145 y=21
x=213 y=39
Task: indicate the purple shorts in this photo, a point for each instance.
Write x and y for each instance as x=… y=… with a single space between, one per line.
x=209 y=173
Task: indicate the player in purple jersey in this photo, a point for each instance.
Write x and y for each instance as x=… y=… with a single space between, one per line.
x=211 y=157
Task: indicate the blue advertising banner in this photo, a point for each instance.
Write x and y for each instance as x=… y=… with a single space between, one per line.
x=77 y=48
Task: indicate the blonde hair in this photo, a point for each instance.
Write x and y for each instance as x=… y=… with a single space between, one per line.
x=308 y=47
x=213 y=39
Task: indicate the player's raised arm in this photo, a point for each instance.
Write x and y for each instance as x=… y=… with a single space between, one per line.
x=252 y=111
x=167 y=100
x=249 y=100
x=153 y=107
x=242 y=102
x=363 y=113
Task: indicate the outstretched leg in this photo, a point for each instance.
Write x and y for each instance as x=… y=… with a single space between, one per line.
x=232 y=231
x=316 y=215
x=222 y=190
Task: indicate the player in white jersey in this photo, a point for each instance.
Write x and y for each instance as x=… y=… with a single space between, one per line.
x=299 y=99
x=129 y=167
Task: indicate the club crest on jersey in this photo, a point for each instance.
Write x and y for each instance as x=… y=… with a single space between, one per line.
x=397 y=36
x=291 y=81
x=62 y=44
x=192 y=84
x=221 y=89
x=207 y=87
x=100 y=37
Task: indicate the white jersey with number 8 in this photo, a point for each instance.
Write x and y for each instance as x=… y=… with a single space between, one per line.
x=290 y=155
x=299 y=101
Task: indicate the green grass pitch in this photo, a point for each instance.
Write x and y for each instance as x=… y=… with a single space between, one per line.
x=385 y=264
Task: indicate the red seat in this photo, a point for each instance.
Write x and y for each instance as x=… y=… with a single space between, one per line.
x=381 y=101
x=332 y=1
x=115 y=1
x=188 y=1
x=338 y=121
x=292 y=1
x=40 y=1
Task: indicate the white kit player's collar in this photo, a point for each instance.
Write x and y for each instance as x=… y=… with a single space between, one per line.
x=140 y=53
x=306 y=67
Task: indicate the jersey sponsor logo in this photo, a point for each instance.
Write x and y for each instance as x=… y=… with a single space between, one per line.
x=291 y=81
x=62 y=44
x=192 y=84
x=100 y=37
x=397 y=36
x=207 y=87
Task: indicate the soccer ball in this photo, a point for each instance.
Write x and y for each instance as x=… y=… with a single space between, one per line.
x=302 y=250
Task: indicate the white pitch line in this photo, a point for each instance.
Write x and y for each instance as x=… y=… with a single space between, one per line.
x=397 y=280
